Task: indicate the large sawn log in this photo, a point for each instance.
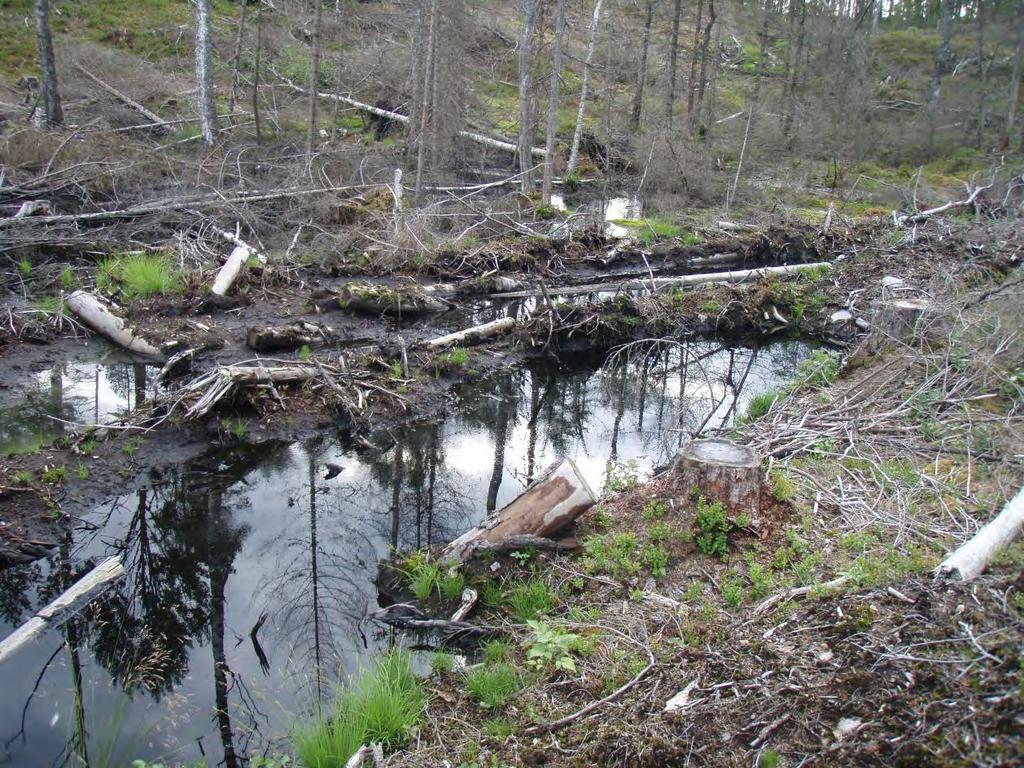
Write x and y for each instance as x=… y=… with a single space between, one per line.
x=551 y=502
x=721 y=470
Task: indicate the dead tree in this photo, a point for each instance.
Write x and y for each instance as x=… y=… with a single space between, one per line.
x=702 y=79
x=552 y=127
x=943 y=60
x=1013 y=97
x=641 y=77
x=526 y=94
x=578 y=133
x=314 y=76
x=48 y=66
x=673 y=64
x=204 y=76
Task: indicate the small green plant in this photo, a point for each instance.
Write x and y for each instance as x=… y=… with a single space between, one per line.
x=523 y=556
x=493 y=684
x=131 y=445
x=88 y=447
x=496 y=651
x=621 y=477
x=442 y=663
x=395 y=370
x=655 y=558
x=53 y=475
x=659 y=532
x=67 y=279
x=25 y=267
x=138 y=275
x=498 y=728
x=770 y=758
x=713 y=526
x=759 y=405
x=82 y=472
x=611 y=553
x=551 y=646
x=24 y=478
x=760 y=581
x=732 y=591
x=530 y=599
x=783 y=488
x=305 y=353
x=602 y=518
x=654 y=510
x=819 y=370
x=571 y=182
x=424 y=580
x=451 y=583
x=458 y=357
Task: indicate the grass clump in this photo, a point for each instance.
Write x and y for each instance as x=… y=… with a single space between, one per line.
x=494 y=684
x=759 y=405
x=421 y=575
x=451 y=583
x=138 y=275
x=783 y=487
x=819 y=370
x=496 y=651
x=529 y=599
x=384 y=705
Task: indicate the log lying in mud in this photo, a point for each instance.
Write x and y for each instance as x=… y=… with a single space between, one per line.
x=971 y=559
x=553 y=501
x=95 y=314
x=275 y=338
x=72 y=600
x=473 y=335
x=233 y=266
x=721 y=470
x=382 y=300
x=658 y=283
x=219 y=382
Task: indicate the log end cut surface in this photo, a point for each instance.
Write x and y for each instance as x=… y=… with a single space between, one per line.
x=721 y=452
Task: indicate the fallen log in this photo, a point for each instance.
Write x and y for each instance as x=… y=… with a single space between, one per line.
x=720 y=470
x=276 y=338
x=659 y=283
x=971 y=558
x=923 y=216
x=69 y=602
x=222 y=380
x=236 y=259
x=91 y=311
x=473 y=335
x=502 y=144
x=382 y=300
x=155 y=119
x=549 y=504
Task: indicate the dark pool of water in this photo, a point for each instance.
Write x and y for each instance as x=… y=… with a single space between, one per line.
x=165 y=666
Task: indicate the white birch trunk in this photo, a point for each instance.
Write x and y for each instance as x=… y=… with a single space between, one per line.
x=578 y=134
x=474 y=334
x=971 y=559
x=556 y=74
x=207 y=106
x=525 y=94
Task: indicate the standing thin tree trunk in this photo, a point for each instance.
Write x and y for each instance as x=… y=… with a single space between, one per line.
x=673 y=64
x=574 y=151
x=691 y=86
x=48 y=65
x=752 y=109
x=703 y=80
x=876 y=17
x=556 y=74
x=1013 y=99
x=943 y=58
x=256 y=70
x=641 y=77
x=314 y=77
x=207 y=107
x=525 y=94
x=237 y=56
x=794 y=74
x=425 y=118
x=982 y=77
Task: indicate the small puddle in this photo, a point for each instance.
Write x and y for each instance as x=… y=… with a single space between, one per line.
x=622 y=208
x=47 y=404
x=250 y=570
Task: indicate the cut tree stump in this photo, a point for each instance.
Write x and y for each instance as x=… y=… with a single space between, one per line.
x=95 y=314
x=382 y=300
x=722 y=471
x=896 y=321
x=553 y=501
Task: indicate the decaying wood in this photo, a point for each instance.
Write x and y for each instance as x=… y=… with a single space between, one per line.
x=33 y=208
x=896 y=320
x=473 y=335
x=72 y=600
x=382 y=300
x=408 y=616
x=222 y=380
x=275 y=338
x=157 y=122
x=923 y=216
x=721 y=470
x=95 y=314
x=971 y=559
x=529 y=541
x=469 y=598
x=376 y=751
x=658 y=283
x=553 y=501
x=795 y=592
x=235 y=261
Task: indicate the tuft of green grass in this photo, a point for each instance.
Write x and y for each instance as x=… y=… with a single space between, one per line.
x=759 y=405
x=25 y=267
x=383 y=705
x=442 y=663
x=23 y=478
x=451 y=583
x=54 y=475
x=498 y=728
x=138 y=275
x=494 y=684
x=530 y=599
x=819 y=370
x=783 y=488
x=496 y=651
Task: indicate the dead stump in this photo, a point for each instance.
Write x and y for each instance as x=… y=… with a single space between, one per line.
x=721 y=471
x=898 y=321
